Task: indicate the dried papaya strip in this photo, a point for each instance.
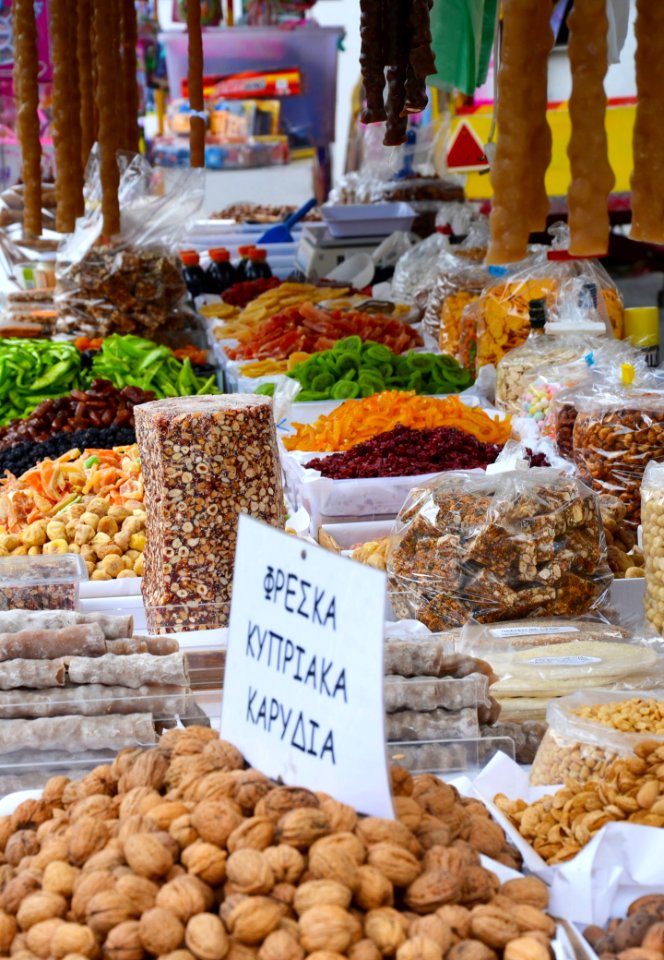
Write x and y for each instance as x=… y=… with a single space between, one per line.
x=108 y=122
x=648 y=174
x=592 y=176
x=195 y=78
x=26 y=73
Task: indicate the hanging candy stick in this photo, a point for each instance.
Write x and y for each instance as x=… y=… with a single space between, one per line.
x=510 y=172
x=130 y=85
x=592 y=176
x=421 y=61
x=648 y=173
x=108 y=126
x=195 y=77
x=372 y=59
x=65 y=182
x=75 y=137
x=86 y=85
x=541 y=42
x=26 y=70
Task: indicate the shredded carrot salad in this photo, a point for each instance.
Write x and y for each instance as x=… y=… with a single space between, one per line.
x=52 y=485
x=358 y=420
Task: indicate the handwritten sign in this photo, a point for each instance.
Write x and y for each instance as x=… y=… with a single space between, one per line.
x=303 y=686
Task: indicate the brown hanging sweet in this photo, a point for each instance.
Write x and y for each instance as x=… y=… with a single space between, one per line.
x=592 y=176
x=372 y=59
x=26 y=71
x=86 y=84
x=195 y=82
x=130 y=84
x=648 y=173
x=108 y=126
x=63 y=120
x=541 y=42
x=75 y=139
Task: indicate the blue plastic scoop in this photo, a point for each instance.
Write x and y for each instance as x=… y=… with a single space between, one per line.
x=281 y=233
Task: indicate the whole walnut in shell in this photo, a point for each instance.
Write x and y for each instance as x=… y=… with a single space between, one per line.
x=160 y=931
x=163 y=814
x=206 y=937
x=148 y=856
x=253 y=918
x=286 y=863
x=255 y=833
x=39 y=906
x=206 y=861
x=86 y=886
x=315 y=893
x=73 y=938
x=396 y=863
x=183 y=831
x=326 y=927
x=184 y=897
x=471 y=950
x=21 y=844
x=526 y=948
x=141 y=891
x=530 y=890
x=372 y=889
x=419 y=948
x=302 y=827
x=486 y=836
x=385 y=927
x=39 y=937
x=215 y=820
x=17 y=889
x=433 y=928
x=106 y=910
x=280 y=945
x=281 y=800
x=123 y=942
x=342 y=817
x=249 y=871
x=8 y=930
x=59 y=877
x=364 y=950
x=374 y=830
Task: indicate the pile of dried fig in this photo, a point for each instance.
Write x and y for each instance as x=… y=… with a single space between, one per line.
x=640 y=936
x=182 y=852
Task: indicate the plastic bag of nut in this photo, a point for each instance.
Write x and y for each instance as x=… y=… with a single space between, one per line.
x=590 y=729
x=618 y=430
x=134 y=283
x=523 y=543
x=652 y=520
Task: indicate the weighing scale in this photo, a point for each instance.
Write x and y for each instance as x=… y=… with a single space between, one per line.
x=318 y=252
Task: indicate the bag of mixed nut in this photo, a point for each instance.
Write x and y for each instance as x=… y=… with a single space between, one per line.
x=588 y=730
x=524 y=543
x=132 y=283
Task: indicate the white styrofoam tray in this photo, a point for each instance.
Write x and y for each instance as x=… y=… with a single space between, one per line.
x=367 y=219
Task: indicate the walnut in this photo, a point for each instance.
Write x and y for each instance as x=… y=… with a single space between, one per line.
x=190 y=741
x=8 y=930
x=160 y=931
x=432 y=889
x=228 y=905
x=374 y=830
x=183 y=831
x=397 y=864
x=178 y=955
x=215 y=820
x=408 y=812
x=53 y=789
x=477 y=885
x=486 y=836
x=73 y=938
x=53 y=847
x=106 y=910
x=224 y=755
x=280 y=945
x=526 y=948
x=342 y=817
x=286 y=863
x=163 y=814
x=653 y=940
x=59 y=877
x=326 y=927
x=281 y=800
x=147 y=856
x=530 y=890
x=385 y=927
x=40 y=936
x=109 y=858
x=316 y=893
x=471 y=950
x=39 y=906
x=17 y=889
x=29 y=814
x=139 y=800
x=141 y=891
x=240 y=951
x=249 y=871
x=431 y=832
x=326 y=955
x=206 y=937
x=86 y=886
x=249 y=787
x=364 y=950
x=148 y=770
x=135 y=823
x=419 y=948
x=433 y=928
x=99 y=805
x=372 y=889
x=493 y=926
x=206 y=861
x=284 y=893
x=123 y=942
x=6 y=830
x=251 y=920
x=256 y=833
x=302 y=827
x=185 y=896
x=402 y=782
x=21 y=844
x=529 y=918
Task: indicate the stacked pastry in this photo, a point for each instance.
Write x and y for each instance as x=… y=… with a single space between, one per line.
x=77 y=682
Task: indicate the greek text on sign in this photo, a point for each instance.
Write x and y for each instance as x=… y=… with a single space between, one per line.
x=303 y=685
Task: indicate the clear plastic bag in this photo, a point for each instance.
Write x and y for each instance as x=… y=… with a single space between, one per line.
x=412 y=274
x=134 y=283
x=524 y=543
x=576 y=748
x=652 y=520
x=617 y=431
x=460 y=277
x=517 y=370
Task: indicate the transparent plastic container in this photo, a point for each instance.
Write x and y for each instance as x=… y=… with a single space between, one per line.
x=44 y=582
x=448 y=756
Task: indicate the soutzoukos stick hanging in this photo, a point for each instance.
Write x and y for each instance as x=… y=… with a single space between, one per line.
x=511 y=176
x=592 y=176
x=130 y=86
x=108 y=123
x=75 y=159
x=648 y=174
x=195 y=80
x=86 y=83
x=26 y=70
x=541 y=42
x=65 y=182
x=372 y=59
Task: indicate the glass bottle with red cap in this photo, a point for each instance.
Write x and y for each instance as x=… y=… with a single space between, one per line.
x=221 y=274
x=241 y=270
x=193 y=273
x=258 y=268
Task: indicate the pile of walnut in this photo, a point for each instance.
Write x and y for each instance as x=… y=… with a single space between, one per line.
x=181 y=852
x=640 y=936
x=623 y=555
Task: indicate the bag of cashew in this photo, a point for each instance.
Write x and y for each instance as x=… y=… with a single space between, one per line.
x=589 y=729
x=521 y=543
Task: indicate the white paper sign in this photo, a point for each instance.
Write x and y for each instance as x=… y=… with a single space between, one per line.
x=303 y=687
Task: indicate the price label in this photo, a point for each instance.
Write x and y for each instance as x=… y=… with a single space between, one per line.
x=303 y=684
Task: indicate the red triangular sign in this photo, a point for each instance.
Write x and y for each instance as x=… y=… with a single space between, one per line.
x=466 y=151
